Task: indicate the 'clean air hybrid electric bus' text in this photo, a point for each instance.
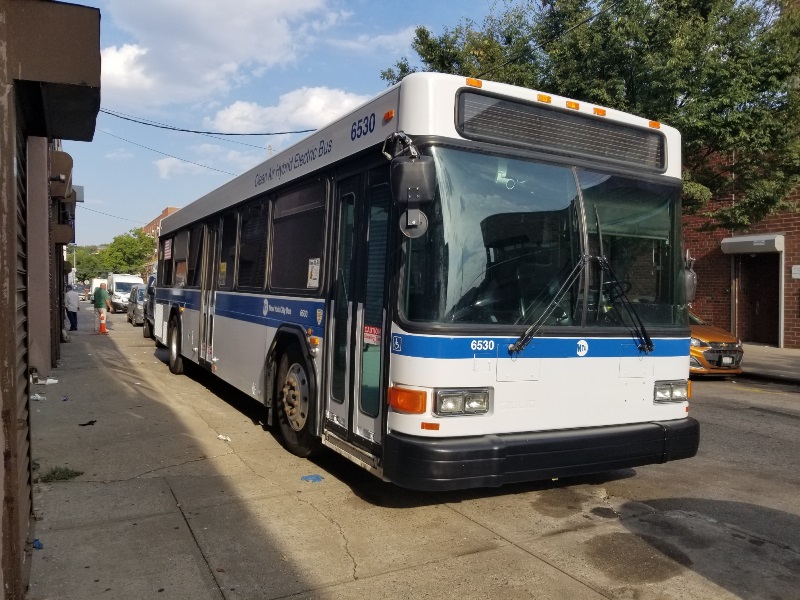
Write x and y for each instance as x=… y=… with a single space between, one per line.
x=461 y=283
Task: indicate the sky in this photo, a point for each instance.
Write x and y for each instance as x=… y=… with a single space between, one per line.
x=238 y=66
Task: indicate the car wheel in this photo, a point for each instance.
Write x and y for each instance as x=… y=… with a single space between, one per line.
x=295 y=404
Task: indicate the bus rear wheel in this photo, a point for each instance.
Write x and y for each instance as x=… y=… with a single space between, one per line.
x=174 y=345
x=295 y=404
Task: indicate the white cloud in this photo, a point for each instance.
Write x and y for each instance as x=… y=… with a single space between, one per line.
x=123 y=69
x=119 y=154
x=394 y=43
x=304 y=108
x=184 y=50
x=168 y=167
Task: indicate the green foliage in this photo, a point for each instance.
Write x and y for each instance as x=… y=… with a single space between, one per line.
x=724 y=72
x=127 y=253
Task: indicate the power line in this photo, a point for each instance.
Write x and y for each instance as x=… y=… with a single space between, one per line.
x=157 y=124
x=108 y=215
x=172 y=128
x=165 y=154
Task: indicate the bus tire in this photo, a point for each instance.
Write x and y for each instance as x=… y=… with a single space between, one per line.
x=174 y=346
x=294 y=404
x=147 y=331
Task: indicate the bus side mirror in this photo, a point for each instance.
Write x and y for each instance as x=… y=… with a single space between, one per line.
x=689 y=278
x=413 y=180
x=413 y=183
x=690 y=284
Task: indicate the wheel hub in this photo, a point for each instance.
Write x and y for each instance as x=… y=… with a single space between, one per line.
x=294 y=397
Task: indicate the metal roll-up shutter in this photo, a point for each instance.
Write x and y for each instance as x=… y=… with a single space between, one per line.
x=18 y=469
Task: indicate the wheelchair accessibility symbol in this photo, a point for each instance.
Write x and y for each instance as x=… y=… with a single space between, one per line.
x=397 y=343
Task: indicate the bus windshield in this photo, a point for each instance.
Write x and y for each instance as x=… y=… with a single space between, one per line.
x=505 y=235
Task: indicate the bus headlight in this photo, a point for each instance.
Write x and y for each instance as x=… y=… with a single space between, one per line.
x=671 y=391
x=461 y=402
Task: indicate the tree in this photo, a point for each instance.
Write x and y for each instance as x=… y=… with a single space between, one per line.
x=128 y=253
x=89 y=262
x=724 y=72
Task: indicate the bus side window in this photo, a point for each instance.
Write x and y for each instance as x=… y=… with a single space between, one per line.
x=227 y=259
x=298 y=238
x=195 y=256
x=253 y=247
x=165 y=258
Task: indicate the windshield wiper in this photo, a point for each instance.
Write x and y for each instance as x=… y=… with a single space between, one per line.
x=639 y=330
x=645 y=344
x=531 y=331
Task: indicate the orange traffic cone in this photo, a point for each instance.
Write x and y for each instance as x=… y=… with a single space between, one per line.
x=103 y=322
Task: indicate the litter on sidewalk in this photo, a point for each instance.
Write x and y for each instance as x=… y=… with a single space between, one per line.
x=224 y=438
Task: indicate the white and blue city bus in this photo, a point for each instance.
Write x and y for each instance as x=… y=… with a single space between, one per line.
x=459 y=284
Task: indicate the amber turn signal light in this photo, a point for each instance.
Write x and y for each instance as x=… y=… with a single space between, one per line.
x=407 y=401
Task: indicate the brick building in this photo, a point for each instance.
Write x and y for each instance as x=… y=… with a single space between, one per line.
x=749 y=282
x=153 y=227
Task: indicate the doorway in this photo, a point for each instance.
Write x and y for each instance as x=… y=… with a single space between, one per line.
x=758 y=297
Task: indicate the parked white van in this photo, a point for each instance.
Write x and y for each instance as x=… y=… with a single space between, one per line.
x=119 y=289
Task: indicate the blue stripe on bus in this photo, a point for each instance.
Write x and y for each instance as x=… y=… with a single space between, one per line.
x=423 y=346
x=186 y=298
x=261 y=310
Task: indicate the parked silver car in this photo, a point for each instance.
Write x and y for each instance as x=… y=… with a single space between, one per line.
x=136 y=304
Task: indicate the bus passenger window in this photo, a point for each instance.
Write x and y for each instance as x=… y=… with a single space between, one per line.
x=195 y=256
x=298 y=238
x=165 y=260
x=227 y=258
x=180 y=273
x=253 y=247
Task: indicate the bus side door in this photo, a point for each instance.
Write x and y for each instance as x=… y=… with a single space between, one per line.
x=356 y=392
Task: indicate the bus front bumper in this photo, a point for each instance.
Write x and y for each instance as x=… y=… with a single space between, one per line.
x=432 y=464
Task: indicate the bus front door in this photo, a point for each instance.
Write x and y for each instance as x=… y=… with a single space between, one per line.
x=356 y=393
x=208 y=296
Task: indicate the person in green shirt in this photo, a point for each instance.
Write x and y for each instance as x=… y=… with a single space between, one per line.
x=101 y=303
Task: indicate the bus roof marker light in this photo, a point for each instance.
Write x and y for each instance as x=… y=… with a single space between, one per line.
x=544 y=98
x=655 y=124
x=472 y=82
x=573 y=105
x=600 y=112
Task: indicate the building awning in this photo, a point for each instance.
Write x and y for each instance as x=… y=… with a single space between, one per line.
x=753 y=244
x=54 y=59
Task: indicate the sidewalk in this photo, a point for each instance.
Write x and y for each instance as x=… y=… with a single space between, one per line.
x=771 y=363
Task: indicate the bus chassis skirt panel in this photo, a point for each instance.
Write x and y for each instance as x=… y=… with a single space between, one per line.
x=434 y=464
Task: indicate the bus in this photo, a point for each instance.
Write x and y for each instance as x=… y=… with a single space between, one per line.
x=459 y=284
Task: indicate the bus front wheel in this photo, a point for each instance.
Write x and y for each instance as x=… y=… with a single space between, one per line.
x=174 y=344
x=294 y=404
